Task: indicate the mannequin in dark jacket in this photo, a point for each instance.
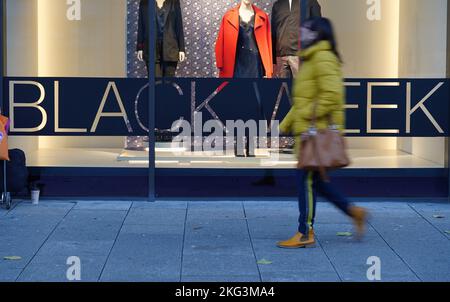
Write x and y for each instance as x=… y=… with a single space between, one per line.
x=285 y=34
x=170 y=48
x=285 y=45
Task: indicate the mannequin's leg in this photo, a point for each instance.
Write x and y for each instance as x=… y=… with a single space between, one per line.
x=169 y=69
x=158 y=70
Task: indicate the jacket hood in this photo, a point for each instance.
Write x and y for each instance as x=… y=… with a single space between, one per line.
x=319 y=46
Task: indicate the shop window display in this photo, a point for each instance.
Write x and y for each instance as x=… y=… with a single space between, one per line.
x=371 y=48
x=202 y=20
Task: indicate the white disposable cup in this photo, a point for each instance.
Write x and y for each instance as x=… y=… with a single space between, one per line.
x=35 y=196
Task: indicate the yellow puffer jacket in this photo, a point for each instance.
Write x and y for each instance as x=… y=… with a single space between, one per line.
x=320 y=79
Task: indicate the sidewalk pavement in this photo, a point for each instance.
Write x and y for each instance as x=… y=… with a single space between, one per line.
x=219 y=241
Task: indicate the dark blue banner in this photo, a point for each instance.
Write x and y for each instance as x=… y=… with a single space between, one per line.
x=119 y=107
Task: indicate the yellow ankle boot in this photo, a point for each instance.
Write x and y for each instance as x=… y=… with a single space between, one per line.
x=298 y=241
x=359 y=216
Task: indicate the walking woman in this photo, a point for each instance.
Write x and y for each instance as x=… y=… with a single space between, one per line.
x=318 y=87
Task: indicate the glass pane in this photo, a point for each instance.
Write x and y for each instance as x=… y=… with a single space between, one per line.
x=390 y=39
x=377 y=40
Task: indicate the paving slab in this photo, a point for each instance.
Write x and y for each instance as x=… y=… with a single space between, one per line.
x=147 y=250
x=24 y=230
x=103 y=205
x=279 y=213
x=90 y=225
x=54 y=269
x=272 y=221
x=85 y=233
x=153 y=229
x=217 y=242
x=224 y=278
x=48 y=204
x=9 y=275
x=141 y=256
x=436 y=214
x=234 y=229
x=302 y=276
x=45 y=214
x=274 y=229
x=217 y=246
x=349 y=256
x=156 y=216
x=94 y=217
x=217 y=213
x=205 y=263
x=270 y=204
x=67 y=248
x=220 y=219
x=160 y=205
x=415 y=240
x=275 y=222
x=14 y=264
x=220 y=241
x=289 y=265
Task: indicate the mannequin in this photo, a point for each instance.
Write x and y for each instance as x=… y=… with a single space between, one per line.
x=244 y=43
x=170 y=47
x=244 y=49
x=285 y=34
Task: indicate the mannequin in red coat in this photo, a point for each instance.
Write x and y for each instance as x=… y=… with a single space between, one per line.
x=247 y=27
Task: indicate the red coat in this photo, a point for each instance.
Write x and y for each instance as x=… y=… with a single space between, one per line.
x=227 y=39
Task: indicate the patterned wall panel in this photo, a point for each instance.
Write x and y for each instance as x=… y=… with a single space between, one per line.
x=201 y=24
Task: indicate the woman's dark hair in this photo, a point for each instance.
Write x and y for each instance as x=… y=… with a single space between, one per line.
x=324 y=28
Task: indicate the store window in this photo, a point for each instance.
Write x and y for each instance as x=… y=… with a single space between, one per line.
x=66 y=57
x=377 y=40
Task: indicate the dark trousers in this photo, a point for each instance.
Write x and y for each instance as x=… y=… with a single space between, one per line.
x=311 y=184
x=164 y=69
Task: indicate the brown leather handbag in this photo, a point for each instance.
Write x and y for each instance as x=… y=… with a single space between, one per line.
x=322 y=150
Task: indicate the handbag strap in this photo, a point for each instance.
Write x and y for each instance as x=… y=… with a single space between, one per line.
x=322 y=171
x=314 y=116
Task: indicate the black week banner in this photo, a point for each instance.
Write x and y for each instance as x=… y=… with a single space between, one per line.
x=119 y=106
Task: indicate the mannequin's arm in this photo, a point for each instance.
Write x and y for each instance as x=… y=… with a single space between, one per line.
x=180 y=31
x=141 y=33
x=141 y=28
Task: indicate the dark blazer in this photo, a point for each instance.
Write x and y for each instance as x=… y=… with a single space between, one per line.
x=173 y=39
x=286 y=23
x=314 y=9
